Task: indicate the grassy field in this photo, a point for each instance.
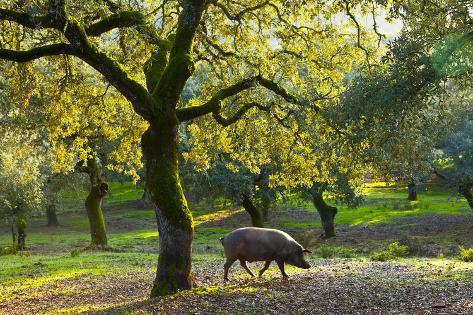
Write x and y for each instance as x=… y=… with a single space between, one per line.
x=57 y=276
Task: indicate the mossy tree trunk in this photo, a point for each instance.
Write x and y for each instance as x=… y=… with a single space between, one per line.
x=255 y=214
x=465 y=191
x=93 y=203
x=266 y=197
x=265 y=206
x=411 y=191
x=175 y=224
x=327 y=213
x=21 y=230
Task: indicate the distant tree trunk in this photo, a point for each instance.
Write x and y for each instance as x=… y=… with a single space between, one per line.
x=93 y=203
x=327 y=213
x=255 y=214
x=264 y=192
x=52 y=190
x=21 y=229
x=411 y=191
x=13 y=233
x=51 y=214
x=465 y=191
x=265 y=205
x=145 y=200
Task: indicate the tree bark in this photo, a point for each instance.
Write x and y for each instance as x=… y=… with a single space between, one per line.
x=93 y=204
x=13 y=233
x=51 y=214
x=465 y=191
x=255 y=214
x=265 y=205
x=411 y=192
x=265 y=195
x=21 y=229
x=175 y=224
x=327 y=213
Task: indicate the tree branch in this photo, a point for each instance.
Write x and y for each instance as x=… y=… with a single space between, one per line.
x=116 y=20
x=33 y=22
x=143 y=103
x=279 y=90
x=80 y=46
x=358 y=32
x=226 y=121
x=37 y=52
x=180 y=65
x=214 y=103
x=191 y=112
x=238 y=16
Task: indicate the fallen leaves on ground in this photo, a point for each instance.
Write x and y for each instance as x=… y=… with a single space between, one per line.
x=422 y=286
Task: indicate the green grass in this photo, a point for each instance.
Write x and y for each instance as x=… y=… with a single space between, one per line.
x=385 y=205
x=133 y=231
x=122 y=192
x=19 y=273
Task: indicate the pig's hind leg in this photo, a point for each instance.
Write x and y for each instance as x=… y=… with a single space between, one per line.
x=227 y=266
x=243 y=264
x=266 y=266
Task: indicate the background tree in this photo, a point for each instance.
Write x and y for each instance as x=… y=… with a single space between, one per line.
x=454 y=150
x=21 y=181
x=228 y=179
x=395 y=115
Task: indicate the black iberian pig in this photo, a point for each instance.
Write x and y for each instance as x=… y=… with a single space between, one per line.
x=258 y=244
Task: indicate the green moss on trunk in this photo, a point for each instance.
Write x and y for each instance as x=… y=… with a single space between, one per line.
x=255 y=214
x=93 y=204
x=175 y=224
x=327 y=213
x=21 y=229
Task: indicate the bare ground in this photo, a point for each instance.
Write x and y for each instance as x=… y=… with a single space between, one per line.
x=329 y=287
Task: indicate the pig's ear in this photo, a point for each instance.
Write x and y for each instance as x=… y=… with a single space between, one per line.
x=307 y=251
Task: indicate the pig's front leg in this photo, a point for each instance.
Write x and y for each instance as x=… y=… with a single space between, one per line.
x=280 y=263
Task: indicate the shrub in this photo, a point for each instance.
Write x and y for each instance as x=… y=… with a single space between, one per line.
x=466 y=254
x=392 y=251
x=327 y=251
x=397 y=249
x=426 y=247
x=9 y=250
x=75 y=252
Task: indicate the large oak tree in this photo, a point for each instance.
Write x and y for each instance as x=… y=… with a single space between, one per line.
x=258 y=52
